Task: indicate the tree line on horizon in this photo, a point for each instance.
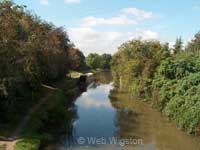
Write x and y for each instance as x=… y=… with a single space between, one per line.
x=97 y=61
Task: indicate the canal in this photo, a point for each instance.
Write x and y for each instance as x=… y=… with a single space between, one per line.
x=109 y=120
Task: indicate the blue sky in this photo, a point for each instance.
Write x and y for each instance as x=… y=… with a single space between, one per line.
x=102 y=25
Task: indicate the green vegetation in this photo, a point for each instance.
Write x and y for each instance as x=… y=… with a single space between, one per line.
x=27 y=144
x=178 y=47
x=74 y=74
x=178 y=83
x=135 y=63
x=170 y=80
x=76 y=59
x=32 y=52
x=96 y=61
x=47 y=124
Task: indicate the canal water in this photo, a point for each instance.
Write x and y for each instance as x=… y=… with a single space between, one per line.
x=108 y=120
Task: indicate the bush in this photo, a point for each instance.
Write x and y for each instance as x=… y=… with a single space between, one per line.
x=27 y=144
x=180 y=101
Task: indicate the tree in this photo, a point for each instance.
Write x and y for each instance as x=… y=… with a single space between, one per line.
x=178 y=47
x=194 y=45
x=76 y=59
x=32 y=51
x=136 y=62
x=93 y=61
x=105 y=61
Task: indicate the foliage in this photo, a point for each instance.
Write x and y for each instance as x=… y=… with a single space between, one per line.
x=178 y=46
x=96 y=61
x=93 y=61
x=171 y=81
x=194 y=45
x=179 y=67
x=135 y=63
x=179 y=100
x=105 y=61
x=27 y=144
x=32 y=52
x=41 y=127
x=76 y=59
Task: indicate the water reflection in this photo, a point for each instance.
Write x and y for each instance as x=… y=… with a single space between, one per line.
x=145 y=122
x=103 y=112
x=95 y=97
x=96 y=115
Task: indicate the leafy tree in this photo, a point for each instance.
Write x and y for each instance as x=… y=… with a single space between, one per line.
x=194 y=45
x=178 y=67
x=76 y=59
x=105 y=61
x=178 y=47
x=32 y=52
x=95 y=61
x=136 y=62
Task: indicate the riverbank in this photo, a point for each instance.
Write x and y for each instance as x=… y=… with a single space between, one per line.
x=50 y=112
x=36 y=52
x=170 y=81
x=54 y=114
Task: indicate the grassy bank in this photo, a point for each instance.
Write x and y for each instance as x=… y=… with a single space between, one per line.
x=51 y=120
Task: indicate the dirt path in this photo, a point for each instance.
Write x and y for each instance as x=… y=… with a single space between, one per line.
x=34 y=109
x=9 y=145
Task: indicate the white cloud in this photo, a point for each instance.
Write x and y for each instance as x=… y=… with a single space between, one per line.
x=171 y=44
x=90 y=99
x=89 y=40
x=144 y=34
x=91 y=103
x=140 y=14
x=127 y=16
x=71 y=1
x=119 y=20
x=44 y=2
